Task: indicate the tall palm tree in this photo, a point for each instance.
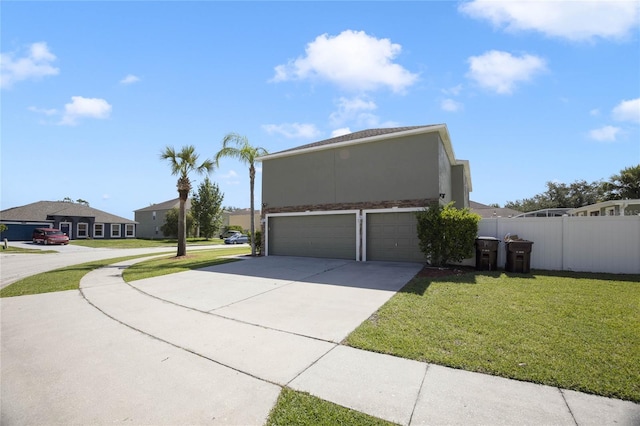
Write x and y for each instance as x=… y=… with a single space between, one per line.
x=183 y=163
x=238 y=147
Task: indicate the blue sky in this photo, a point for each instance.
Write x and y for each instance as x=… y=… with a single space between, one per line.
x=92 y=91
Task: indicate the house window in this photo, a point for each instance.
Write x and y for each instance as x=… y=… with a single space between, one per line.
x=98 y=230
x=115 y=230
x=130 y=230
x=154 y=215
x=157 y=230
x=83 y=230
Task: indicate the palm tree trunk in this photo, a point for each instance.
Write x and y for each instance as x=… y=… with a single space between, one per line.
x=252 y=178
x=182 y=226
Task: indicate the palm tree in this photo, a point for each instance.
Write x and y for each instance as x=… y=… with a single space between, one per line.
x=183 y=163
x=238 y=147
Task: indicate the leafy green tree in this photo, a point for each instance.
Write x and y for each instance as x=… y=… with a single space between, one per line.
x=170 y=226
x=447 y=234
x=206 y=208
x=579 y=193
x=182 y=163
x=624 y=185
x=238 y=147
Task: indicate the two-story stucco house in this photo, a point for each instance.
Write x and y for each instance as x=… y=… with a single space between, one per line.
x=355 y=196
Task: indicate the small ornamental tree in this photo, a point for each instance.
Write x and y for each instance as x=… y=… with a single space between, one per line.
x=447 y=234
x=206 y=208
x=170 y=227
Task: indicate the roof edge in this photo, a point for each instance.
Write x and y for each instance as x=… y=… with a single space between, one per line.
x=440 y=128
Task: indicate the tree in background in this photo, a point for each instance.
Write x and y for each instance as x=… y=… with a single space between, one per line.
x=447 y=234
x=170 y=226
x=625 y=185
x=238 y=147
x=206 y=208
x=182 y=163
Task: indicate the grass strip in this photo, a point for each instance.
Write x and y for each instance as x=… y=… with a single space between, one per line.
x=300 y=408
x=67 y=278
x=574 y=331
x=172 y=264
x=141 y=243
x=20 y=250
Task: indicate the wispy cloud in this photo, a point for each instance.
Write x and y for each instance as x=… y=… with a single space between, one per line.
x=130 y=79
x=45 y=111
x=230 y=178
x=605 y=134
x=32 y=66
x=81 y=107
x=293 y=130
x=450 y=105
x=627 y=111
x=572 y=20
x=340 y=132
x=501 y=71
x=352 y=60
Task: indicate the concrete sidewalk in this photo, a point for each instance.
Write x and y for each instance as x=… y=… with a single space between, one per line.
x=216 y=345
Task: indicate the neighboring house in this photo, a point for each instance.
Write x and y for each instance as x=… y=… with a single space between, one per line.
x=241 y=218
x=488 y=211
x=76 y=220
x=355 y=196
x=609 y=208
x=150 y=219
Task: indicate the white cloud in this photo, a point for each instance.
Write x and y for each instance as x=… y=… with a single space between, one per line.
x=453 y=91
x=81 y=107
x=605 y=134
x=353 y=60
x=45 y=111
x=451 y=105
x=356 y=109
x=130 y=79
x=627 y=111
x=594 y=112
x=501 y=71
x=230 y=178
x=340 y=132
x=573 y=20
x=36 y=64
x=293 y=130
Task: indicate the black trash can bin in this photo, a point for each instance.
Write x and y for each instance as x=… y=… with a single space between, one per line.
x=518 y=255
x=487 y=253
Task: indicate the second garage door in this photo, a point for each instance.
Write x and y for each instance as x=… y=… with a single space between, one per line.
x=393 y=237
x=326 y=235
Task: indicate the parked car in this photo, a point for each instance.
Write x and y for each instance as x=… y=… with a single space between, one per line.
x=237 y=239
x=48 y=236
x=229 y=233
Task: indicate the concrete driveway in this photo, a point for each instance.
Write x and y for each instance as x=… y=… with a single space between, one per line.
x=212 y=345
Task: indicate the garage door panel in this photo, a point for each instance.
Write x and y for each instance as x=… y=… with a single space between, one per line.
x=331 y=236
x=393 y=237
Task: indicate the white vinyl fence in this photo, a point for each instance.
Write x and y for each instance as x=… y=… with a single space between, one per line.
x=608 y=244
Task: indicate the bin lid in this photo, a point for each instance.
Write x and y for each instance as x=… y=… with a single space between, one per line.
x=487 y=238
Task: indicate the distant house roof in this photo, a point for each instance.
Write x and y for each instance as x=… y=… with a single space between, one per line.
x=166 y=205
x=42 y=211
x=488 y=211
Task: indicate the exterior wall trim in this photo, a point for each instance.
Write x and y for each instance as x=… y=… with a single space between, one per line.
x=374 y=211
x=312 y=213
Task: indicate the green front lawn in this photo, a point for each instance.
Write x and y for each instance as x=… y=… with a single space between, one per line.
x=574 y=331
x=141 y=243
x=68 y=278
x=171 y=265
x=300 y=408
x=62 y=279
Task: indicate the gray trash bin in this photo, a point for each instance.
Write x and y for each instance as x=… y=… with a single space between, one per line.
x=518 y=255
